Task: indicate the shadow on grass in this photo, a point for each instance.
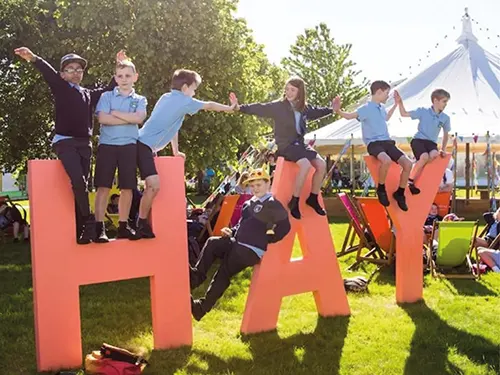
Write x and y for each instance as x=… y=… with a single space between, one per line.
x=304 y=353
x=433 y=338
x=472 y=288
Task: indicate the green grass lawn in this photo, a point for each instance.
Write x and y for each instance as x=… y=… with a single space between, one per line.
x=455 y=331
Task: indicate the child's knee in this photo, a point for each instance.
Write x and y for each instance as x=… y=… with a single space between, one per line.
x=424 y=158
x=385 y=160
x=304 y=164
x=405 y=163
x=433 y=155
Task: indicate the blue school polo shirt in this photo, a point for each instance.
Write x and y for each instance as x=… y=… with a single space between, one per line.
x=373 y=122
x=430 y=123
x=119 y=135
x=166 y=119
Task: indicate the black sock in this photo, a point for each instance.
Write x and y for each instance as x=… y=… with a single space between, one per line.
x=142 y=221
x=411 y=181
x=381 y=187
x=122 y=224
x=400 y=191
x=313 y=197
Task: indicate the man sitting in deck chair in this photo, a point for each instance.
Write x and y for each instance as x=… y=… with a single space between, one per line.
x=491 y=231
x=11 y=217
x=490 y=257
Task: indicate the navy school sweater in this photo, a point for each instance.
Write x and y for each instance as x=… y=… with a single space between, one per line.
x=74 y=108
x=256 y=218
x=282 y=114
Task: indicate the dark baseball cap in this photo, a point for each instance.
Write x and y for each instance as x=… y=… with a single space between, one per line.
x=73 y=57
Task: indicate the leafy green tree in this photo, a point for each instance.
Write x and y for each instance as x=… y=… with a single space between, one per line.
x=326 y=68
x=159 y=36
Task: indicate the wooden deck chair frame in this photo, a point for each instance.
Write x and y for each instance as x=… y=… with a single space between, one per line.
x=375 y=254
x=435 y=271
x=208 y=225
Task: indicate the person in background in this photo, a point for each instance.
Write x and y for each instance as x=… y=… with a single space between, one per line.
x=113 y=204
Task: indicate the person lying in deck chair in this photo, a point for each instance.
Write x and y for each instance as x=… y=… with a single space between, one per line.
x=490 y=257
x=492 y=220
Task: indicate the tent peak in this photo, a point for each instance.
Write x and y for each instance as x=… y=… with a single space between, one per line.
x=467 y=34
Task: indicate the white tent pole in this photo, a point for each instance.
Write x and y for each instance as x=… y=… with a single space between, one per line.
x=352 y=166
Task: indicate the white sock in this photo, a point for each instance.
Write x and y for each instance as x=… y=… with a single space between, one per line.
x=496 y=269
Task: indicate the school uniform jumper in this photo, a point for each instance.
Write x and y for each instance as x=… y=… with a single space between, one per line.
x=244 y=249
x=73 y=127
x=289 y=126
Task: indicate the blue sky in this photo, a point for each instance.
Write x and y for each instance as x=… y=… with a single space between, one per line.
x=387 y=36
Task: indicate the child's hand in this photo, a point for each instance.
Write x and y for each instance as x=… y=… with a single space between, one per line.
x=181 y=154
x=226 y=232
x=25 y=53
x=234 y=100
x=121 y=56
x=336 y=104
x=442 y=153
x=397 y=97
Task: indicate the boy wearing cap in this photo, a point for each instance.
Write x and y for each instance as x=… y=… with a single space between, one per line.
x=119 y=112
x=263 y=220
x=162 y=128
x=73 y=127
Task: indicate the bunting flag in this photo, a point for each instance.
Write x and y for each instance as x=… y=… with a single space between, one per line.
x=408 y=139
x=475 y=137
x=474 y=170
x=461 y=138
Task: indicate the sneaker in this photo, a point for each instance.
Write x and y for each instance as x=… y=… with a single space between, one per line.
x=127 y=232
x=197 y=309
x=383 y=198
x=413 y=189
x=144 y=230
x=400 y=198
x=316 y=206
x=101 y=236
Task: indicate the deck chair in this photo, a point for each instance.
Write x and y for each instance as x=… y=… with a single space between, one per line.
x=454 y=249
x=360 y=236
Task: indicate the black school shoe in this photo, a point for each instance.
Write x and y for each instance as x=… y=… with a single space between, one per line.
x=413 y=189
x=144 y=230
x=383 y=198
x=101 y=236
x=197 y=309
x=125 y=231
x=312 y=201
x=293 y=205
x=400 y=198
x=88 y=233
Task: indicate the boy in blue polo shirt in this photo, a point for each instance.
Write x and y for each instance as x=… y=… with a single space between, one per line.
x=161 y=129
x=373 y=118
x=431 y=121
x=119 y=112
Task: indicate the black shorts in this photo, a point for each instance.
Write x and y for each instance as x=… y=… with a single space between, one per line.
x=389 y=147
x=422 y=146
x=297 y=151
x=145 y=161
x=110 y=157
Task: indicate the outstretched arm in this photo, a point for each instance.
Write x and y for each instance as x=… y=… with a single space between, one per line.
x=347 y=115
x=217 y=107
x=51 y=76
x=257 y=109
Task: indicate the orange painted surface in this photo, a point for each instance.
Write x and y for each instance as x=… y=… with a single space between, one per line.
x=409 y=239
x=376 y=216
x=225 y=214
x=277 y=276
x=443 y=202
x=61 y=266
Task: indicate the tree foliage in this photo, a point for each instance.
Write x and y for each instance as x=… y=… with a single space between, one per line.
x=159 y=36
x=326 y=68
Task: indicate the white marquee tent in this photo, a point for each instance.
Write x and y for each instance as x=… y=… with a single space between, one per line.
x=471 y=75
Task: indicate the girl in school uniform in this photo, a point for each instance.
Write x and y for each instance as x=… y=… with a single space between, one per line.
x=291 y=114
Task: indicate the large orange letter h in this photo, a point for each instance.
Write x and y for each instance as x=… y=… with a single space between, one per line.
x=60 y=266
x=277 y=276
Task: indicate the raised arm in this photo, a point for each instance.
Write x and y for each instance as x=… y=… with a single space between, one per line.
x=314 y=113
x=95 y=94
x=217 y=107
x=347 y=115
x=257 y=109
x=399 y=101
x=391 y=112
x=51 y=76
